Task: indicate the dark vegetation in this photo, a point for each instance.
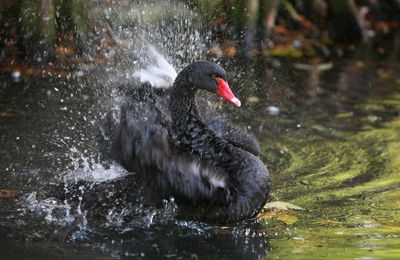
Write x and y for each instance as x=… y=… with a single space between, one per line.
x=35 y=34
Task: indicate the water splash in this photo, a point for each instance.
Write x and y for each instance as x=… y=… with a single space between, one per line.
x=90 y=169
x=171 y=28
x=149 y=41
x=142 y=42
x=53 y=211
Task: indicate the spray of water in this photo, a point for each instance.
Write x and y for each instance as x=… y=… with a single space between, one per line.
x=150 y=40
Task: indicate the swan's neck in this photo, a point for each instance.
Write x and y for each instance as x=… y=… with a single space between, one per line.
x=191 y=132
x=186 y=118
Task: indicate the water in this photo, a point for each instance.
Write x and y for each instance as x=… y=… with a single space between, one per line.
x=330 y=143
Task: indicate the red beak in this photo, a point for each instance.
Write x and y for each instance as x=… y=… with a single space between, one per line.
x=225 y=91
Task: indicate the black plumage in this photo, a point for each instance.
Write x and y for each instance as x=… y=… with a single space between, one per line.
x=209 y=167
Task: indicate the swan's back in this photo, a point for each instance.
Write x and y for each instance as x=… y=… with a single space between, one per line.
x=145 y=144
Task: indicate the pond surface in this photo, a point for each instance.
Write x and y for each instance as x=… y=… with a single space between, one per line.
x=331 y=144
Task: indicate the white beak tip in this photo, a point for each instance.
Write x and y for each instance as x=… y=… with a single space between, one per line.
x=236 y=102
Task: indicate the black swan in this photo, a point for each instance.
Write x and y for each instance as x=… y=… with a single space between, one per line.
x=210 y=169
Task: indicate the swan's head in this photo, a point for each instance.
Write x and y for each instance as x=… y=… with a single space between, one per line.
x=211 y=77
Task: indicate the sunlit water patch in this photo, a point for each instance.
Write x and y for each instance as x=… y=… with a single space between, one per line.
x=347 y=182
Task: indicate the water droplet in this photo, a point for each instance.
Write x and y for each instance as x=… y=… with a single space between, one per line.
x=16 y=75
x=273 y=110
x=79 y=73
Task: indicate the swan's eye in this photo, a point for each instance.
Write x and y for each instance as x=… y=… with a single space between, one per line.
x=216 y=76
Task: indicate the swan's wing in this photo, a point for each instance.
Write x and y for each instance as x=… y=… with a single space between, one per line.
x=235 y=136
x=163 y=63
x=144 y=145
x=193 y=181
x=138 y=124
x=158 y=72
x=182 y=175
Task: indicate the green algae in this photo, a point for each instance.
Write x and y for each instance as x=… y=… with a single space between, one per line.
x=349 y=185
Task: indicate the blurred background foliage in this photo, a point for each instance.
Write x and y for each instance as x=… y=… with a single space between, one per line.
x=42 y=31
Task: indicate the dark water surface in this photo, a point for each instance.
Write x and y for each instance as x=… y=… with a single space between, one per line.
x=332 y=148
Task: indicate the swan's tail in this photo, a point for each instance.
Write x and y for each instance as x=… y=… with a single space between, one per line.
x=158 y=72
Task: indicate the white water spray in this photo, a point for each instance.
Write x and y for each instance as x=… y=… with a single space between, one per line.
x=146 y=46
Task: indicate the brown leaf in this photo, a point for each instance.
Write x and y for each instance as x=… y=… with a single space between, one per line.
x=9 y=193
x=11 y=112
